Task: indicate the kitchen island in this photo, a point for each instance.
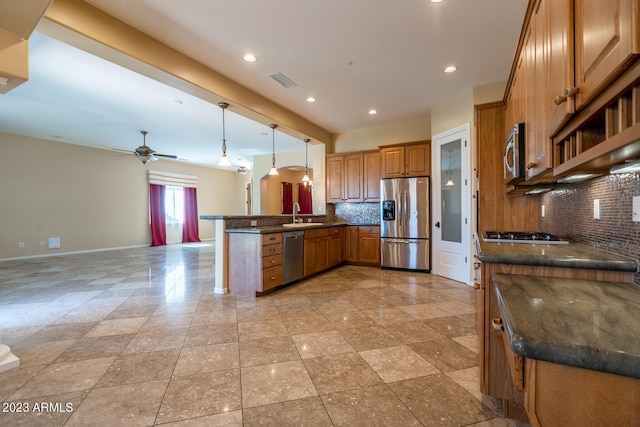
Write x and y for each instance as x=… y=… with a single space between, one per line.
x=571 y=261
x=257 y=243
x=576 y=351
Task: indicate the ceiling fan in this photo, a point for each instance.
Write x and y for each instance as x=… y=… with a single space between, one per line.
x=146 y=154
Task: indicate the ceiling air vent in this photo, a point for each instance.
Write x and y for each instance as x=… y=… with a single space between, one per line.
x=283 y=80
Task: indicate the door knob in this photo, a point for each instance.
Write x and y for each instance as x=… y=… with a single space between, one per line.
x=437 y=224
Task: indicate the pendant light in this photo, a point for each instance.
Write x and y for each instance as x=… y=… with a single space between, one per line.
x=305 y=178
x=273 y=170
x=224 y=160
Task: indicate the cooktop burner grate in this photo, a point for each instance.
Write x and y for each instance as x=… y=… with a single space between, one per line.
x=522 y=237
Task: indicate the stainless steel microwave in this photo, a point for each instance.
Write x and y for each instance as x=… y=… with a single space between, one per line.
x=514 y=155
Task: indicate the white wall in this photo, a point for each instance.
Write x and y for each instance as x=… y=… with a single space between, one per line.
x=370 y=139
x=92 y=199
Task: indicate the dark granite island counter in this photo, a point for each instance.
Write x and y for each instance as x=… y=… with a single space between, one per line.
x=571 y=261
x=582 y=323
x=573 y=348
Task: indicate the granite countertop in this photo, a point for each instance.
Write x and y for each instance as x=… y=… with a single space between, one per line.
x=266 y=229
x=582 y=323
x=572 y=255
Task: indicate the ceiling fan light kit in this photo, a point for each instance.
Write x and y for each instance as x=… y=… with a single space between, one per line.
x=146 y=154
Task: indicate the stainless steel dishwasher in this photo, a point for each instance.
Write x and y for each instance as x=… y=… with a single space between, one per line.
x=293 y=256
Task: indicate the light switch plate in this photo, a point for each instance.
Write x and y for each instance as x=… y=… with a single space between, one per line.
x=596 y=209
x=635 y=216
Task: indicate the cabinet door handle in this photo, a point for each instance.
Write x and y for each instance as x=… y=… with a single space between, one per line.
x=497 y=324
x=531 y=165
x=476 y=285
x=272 y=277
x=559 y=99
x=571 y=92
x=476 y=265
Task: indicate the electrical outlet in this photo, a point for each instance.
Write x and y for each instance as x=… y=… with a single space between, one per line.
x=254 y=222
x=635 y=215
x=596 y=209
x=42 y=243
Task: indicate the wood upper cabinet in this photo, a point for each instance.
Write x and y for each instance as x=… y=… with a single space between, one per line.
x=344 y=178
x=606 y=40
x=571 y=52
x=560 y=63
x=539 y=158
x=404 y=160
x=353 y=177
x=372 y=176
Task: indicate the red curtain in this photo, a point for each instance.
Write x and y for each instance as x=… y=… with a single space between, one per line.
x=190 y=225
x=287 y=197
x=156 y=214
x=305 y=199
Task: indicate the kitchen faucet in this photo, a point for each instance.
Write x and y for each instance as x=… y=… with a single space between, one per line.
x=293 y=210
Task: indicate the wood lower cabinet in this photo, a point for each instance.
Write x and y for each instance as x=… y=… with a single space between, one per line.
x=495 y=359
x=336 y=246
x=323 y=249
x=406 y=160
x=363 y=245
x=559 y=395
x=256 y=264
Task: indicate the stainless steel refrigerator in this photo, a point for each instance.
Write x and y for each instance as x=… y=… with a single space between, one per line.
x=405 y=223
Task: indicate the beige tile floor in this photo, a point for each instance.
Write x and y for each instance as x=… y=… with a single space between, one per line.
x=136 y=337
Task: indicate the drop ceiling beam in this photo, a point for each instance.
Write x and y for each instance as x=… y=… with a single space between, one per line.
x=84 y=26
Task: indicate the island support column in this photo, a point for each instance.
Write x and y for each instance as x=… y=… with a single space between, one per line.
x=221 y=262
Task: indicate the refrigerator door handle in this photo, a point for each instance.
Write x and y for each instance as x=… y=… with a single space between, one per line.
x=404 y=210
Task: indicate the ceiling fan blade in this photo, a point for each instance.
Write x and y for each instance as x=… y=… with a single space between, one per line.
x=123 y=151
x=169 y=156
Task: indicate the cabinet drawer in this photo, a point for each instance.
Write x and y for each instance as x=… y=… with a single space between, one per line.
x=271 y=260
x=269 y=250
x=270 y=239
x=271 y=277
x=369 y=229
x=335 y=231
x=312 y=234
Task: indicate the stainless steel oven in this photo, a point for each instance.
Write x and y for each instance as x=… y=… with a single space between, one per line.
x=514 y=155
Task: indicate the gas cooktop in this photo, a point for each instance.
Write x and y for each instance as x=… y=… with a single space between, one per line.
x=522 y=237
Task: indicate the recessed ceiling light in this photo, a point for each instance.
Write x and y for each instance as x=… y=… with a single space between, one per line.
x=311 y=99
x=436 y=1
x=250 y=57
x=373 y=112
x=450 y=69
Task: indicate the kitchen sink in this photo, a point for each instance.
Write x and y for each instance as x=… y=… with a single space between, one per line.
x=302 y=224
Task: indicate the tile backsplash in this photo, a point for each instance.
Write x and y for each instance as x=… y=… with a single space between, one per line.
x=357 y=213
x=569 y=213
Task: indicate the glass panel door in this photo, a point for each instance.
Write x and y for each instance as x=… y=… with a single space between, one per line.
x=450 y=191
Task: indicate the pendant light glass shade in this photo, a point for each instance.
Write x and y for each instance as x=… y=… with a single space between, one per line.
x=224 y=160
x=273 y=170
x=305 y=178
